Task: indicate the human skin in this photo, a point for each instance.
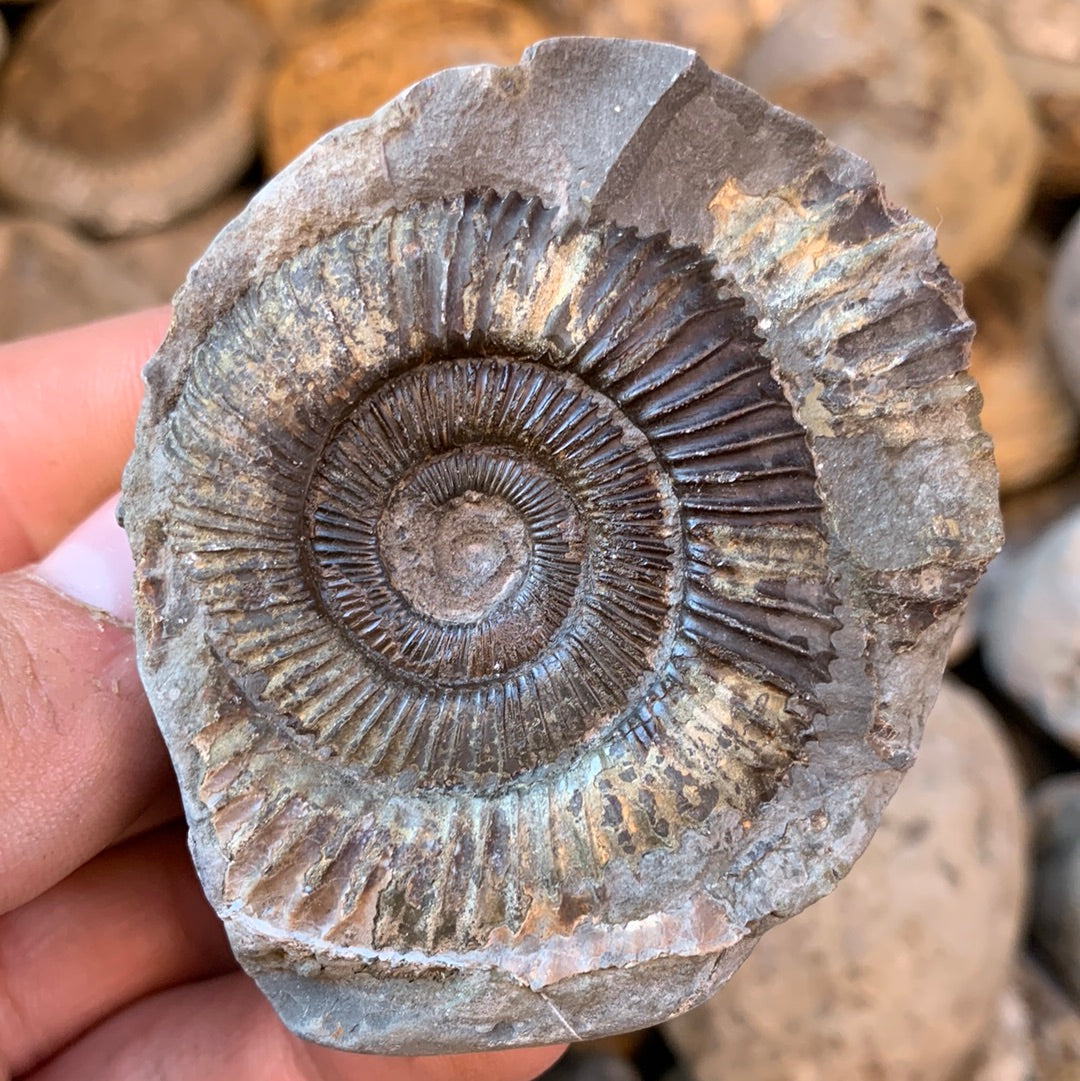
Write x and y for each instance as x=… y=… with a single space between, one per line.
x=112 y=963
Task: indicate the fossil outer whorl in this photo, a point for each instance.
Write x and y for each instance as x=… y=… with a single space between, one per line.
x=517 y=585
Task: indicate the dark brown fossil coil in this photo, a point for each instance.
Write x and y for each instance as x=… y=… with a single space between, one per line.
x=505 y=540
x=490 y=592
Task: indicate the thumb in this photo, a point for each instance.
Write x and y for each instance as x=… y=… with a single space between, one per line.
x=82 y=756
x=94 y=565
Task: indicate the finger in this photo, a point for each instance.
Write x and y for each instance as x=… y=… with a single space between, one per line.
x=165 y=807
x=82 y=757
x=131 y=922
x=67 y=419
x=224 y=1030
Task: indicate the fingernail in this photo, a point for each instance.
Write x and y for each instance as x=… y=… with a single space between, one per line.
x=93 y=564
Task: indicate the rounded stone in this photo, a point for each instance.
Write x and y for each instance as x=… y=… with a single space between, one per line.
x=680 y=337
x=1055 y=806
x=1029 y=628
x=1006 y=1051
x=51 y=278
x=897 y=974
x=1063 y=306
x=1026 y=409
x=1041 y=39
x=152 y=114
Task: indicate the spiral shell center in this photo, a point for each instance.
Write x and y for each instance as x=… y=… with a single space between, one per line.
x=521 y=495
x=454 y=561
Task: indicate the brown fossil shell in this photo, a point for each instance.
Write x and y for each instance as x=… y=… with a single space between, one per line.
x=551 y=507
x=123 y=116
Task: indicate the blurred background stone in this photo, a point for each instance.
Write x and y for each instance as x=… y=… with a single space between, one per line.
x=966 y=634
x=286 y=18
x=1007 y=1052
x=1035 y=1033
x=1026 y=409
x=720 y=31
x=1030 y=629
x=1054 y=1024
x=51 y=278
x=1028 y=513
x=1064 y=306
x=1041 y=39
x=123 y=116
x=922 y=90
x=1055 y=807
x=896 y=975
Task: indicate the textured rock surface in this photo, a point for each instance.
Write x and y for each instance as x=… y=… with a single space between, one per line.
x=50 y=278
x=923 y=92
x=1026 y=410
x=620 y=303
x=1056 y=906
x=918 y=939
x=125 y=116
x=1030 y=629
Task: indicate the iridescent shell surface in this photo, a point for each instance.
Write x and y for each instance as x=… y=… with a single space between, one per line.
x=551 y=505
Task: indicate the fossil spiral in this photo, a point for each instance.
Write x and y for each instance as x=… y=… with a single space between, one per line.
x=517 y=605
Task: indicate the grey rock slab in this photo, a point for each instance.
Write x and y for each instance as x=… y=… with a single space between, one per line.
x=423 y=845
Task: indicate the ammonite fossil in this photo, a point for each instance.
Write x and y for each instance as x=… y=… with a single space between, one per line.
x=551 y=507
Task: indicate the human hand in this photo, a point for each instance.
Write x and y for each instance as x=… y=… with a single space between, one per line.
x=112 y=964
